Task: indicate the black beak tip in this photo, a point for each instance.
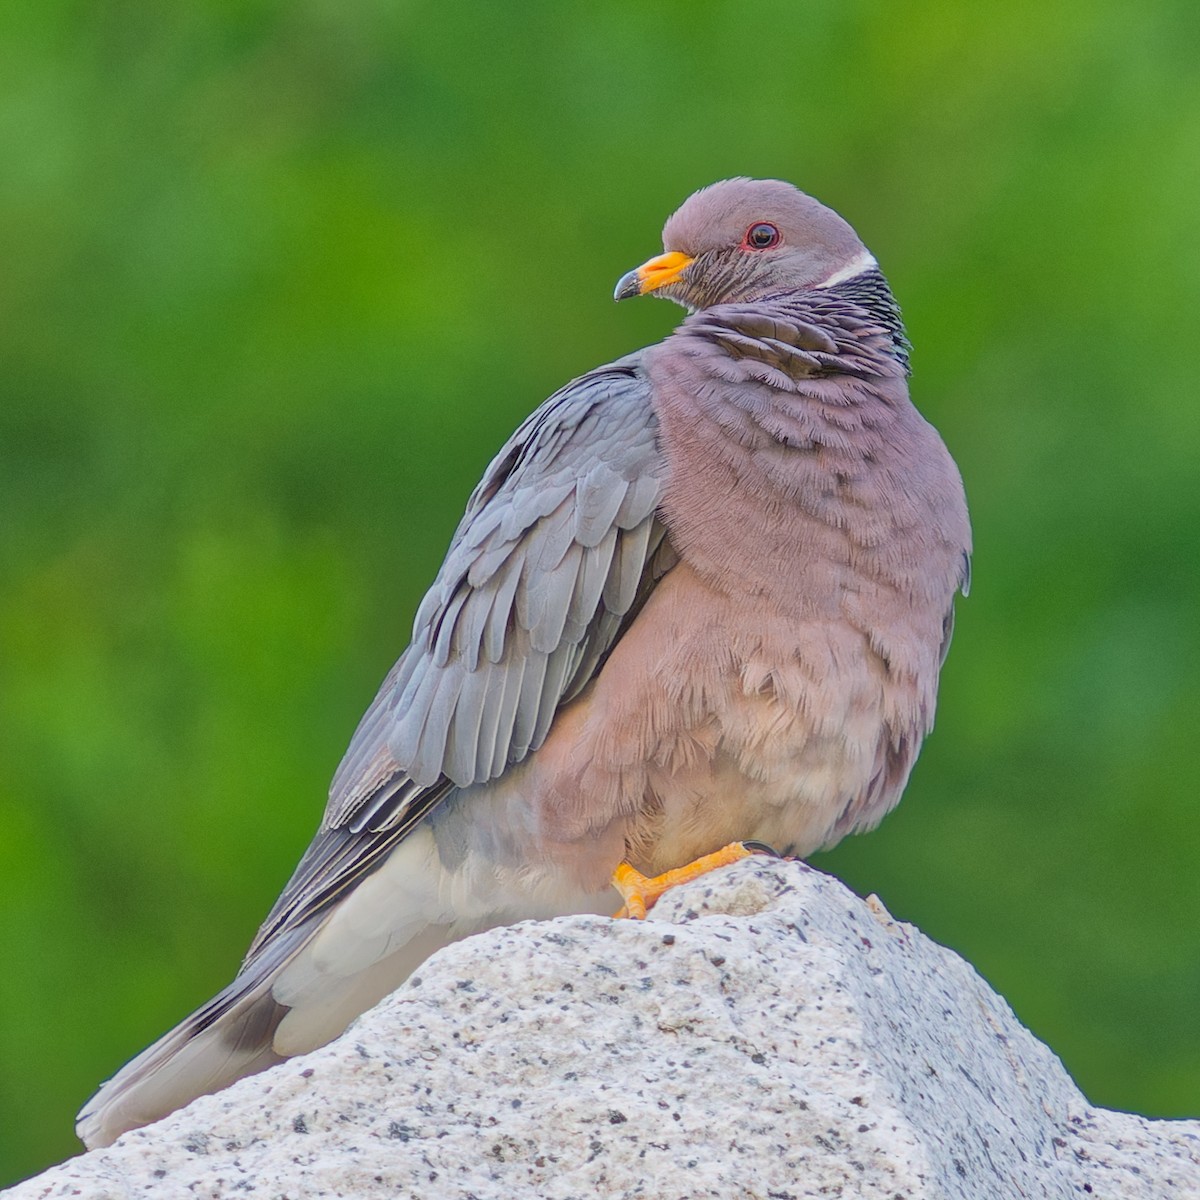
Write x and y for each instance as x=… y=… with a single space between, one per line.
x=628 y=285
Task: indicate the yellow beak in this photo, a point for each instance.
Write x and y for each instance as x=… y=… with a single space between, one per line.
x=652 y=275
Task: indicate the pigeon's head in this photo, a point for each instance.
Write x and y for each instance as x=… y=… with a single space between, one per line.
x=745 y=239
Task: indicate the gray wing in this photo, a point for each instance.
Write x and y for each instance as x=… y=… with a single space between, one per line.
x=559 y=546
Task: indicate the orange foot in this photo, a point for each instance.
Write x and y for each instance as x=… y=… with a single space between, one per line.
x=640 y=892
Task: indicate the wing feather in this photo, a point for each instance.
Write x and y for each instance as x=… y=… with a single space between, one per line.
x=511 y=691
x=626 y=571
x=589 y=584
x=559 y=546
x=527 y=705
x=557 y=587
x=599 y=499
x=499 y=618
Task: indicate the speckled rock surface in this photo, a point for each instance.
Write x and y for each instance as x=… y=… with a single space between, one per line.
x=767 y=1034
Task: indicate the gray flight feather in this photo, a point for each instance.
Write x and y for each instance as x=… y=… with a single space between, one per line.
x=558 y=547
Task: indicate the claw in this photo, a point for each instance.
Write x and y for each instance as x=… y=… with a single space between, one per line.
x=762 y=848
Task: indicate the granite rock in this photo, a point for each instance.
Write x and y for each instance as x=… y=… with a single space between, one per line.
x=766 y=1034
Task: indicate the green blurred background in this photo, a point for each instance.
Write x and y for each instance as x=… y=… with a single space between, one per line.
x=276 y=279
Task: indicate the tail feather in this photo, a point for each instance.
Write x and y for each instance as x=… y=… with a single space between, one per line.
x=246 y=1028
x=229 y=1037
x=300 y=987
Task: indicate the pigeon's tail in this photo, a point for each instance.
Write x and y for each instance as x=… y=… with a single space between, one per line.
x=296 y=991
x=268 y=1013
x=229 y=1037
x=301 y=986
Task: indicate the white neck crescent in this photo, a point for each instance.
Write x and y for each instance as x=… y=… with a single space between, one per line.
x=861 y=262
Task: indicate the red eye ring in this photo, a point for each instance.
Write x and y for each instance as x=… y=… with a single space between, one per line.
x=762 y=235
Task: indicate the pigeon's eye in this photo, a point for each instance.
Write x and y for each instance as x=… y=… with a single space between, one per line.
x=761 y=236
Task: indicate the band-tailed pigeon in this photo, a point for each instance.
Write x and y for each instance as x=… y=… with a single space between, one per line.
x=701 y=596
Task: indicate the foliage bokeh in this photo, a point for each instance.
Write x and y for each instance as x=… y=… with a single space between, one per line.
x=277 y=280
